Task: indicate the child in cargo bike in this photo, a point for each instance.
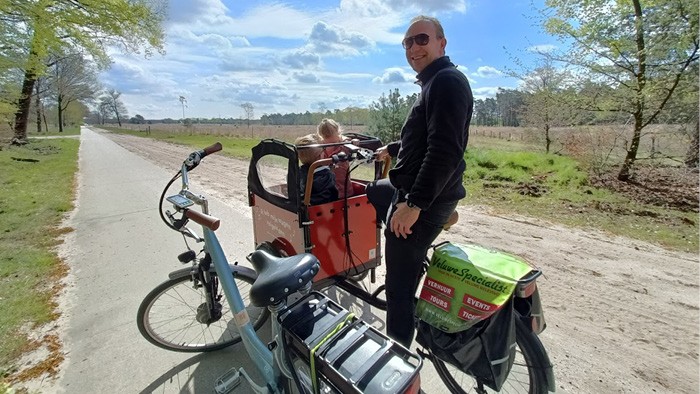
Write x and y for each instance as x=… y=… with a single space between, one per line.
x=323 y=189
x=330 y=133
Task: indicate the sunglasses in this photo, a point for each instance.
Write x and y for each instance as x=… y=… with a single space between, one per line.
x=420 y=39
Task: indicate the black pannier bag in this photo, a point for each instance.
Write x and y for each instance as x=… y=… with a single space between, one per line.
x=485 y=351
x=466 y=309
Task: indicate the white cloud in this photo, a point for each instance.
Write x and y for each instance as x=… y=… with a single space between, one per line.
x=335 y=40
x=304 y=77
x=487 y=72
x=188 y=11
x=372 y=8
x=301 y=59
x=395 y=75
x=485 y=92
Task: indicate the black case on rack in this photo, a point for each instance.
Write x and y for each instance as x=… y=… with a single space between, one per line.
x=357 y=358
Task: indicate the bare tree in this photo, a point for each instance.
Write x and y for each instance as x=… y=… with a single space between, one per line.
x=248 y=109
x=115 y=105
x=71 y=81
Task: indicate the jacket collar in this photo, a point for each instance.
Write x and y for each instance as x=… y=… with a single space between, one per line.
x=431 y=69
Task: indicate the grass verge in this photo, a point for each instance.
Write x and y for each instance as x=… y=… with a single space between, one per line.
x=37 y=182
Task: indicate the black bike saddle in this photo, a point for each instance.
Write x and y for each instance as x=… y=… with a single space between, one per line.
x=278 y=277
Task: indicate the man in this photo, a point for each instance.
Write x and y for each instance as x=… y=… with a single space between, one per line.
x=424 y=187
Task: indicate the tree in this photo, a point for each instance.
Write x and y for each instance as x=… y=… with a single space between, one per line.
x=510 y=103
x=642 y=50
x=113 y=105
x=387 y=115
x=486 y=112
x=44 y=27
x=545 y=106
x=71 y=81
x=248 y=109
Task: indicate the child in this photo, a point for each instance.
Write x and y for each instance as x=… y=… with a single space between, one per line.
x=323 y=188
x=329 y=131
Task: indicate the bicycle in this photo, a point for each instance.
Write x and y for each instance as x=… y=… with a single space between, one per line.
x=213 y=273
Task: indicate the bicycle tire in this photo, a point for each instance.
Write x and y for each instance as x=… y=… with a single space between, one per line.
x=524 y=377
x=167 y=316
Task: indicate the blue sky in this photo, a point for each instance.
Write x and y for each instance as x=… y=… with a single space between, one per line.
x=297 y=56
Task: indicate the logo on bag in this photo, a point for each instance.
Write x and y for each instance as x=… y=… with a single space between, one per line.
x=436 y=300
x=440 y=287
x=466 y=275
x=478 y=304
x=465 y=314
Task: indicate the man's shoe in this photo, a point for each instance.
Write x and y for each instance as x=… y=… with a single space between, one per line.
x=454 y=218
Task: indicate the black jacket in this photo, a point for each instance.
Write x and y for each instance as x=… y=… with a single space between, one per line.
x=434 y=137
x=323 y=189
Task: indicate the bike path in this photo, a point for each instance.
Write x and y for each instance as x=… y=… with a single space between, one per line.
x=121 y=251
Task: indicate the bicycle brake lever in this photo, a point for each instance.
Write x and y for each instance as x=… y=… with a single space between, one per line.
x=193 y=159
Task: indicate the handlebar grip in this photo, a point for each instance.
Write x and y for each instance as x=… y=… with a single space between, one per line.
x=212 y=148
x=210 y=222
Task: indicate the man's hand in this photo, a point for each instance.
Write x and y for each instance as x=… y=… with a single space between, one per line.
x=381 y=154
x=403 y=219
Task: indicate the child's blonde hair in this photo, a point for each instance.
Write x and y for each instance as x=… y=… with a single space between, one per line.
x=308 y=155
x=329 y=128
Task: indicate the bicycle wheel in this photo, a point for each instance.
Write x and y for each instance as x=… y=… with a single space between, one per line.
x=523 y=377
x=168 y=316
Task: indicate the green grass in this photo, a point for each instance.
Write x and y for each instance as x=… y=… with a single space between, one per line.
x=555 y=188
x=53 y=131
x=37 y=183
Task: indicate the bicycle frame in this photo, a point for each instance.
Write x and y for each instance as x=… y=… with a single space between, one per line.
x=268 y=363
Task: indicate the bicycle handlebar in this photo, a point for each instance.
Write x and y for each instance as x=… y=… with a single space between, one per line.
x=201 y=218
x=210 y=222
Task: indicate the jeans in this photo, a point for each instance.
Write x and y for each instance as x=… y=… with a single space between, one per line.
x=404 y=257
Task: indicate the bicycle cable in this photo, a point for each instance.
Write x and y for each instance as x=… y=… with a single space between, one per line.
x=162 y=197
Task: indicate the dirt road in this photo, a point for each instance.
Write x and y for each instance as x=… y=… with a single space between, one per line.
x=622 y=315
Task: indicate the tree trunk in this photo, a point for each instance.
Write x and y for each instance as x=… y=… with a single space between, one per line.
x=624 y=174
x=37 y=104
x=22 y=114
x=691 y=157
x=60 y=113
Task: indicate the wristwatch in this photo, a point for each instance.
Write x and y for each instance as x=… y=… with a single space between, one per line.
x=410 y=204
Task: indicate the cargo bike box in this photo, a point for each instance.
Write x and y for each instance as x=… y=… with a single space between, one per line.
x=345 y=354
x=342 y=234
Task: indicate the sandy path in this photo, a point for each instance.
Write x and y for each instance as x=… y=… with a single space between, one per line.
x=622 y=314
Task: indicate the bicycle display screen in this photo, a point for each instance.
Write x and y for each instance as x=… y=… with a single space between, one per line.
x=180 y=201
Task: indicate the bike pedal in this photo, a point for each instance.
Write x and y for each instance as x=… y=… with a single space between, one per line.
x=228 y=381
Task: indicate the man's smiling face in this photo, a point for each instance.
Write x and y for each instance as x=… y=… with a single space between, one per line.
x=419 y=56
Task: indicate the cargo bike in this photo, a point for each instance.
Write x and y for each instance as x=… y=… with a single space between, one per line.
x=318 y=346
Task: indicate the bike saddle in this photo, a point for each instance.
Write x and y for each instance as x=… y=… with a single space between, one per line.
x=278 y=277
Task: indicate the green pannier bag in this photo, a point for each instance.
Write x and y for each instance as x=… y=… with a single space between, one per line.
x=465 y=310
